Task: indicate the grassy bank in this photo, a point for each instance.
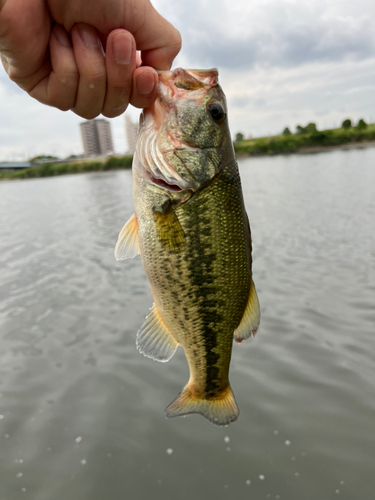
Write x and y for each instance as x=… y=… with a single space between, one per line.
x=260 y=146
x=296 y=142
x=51 y=169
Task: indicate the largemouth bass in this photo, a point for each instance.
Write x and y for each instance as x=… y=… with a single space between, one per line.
x=192 y=231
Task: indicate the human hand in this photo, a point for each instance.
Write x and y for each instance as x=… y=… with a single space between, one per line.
x=82 y=55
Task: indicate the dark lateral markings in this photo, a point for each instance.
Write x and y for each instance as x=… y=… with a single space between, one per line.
x=202 y=279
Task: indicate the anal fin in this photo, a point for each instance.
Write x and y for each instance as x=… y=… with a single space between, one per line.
x=127 y=245
x=251 y=317
x=154 y=339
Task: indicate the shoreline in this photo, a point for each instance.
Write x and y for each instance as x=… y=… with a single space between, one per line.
x=121 y=163
x=347 y=146
x=63 y=168
x=312 y=149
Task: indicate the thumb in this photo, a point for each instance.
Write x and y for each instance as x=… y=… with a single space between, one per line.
x=158 y=40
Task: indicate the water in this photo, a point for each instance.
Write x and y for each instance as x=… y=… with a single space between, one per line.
x=82 y=412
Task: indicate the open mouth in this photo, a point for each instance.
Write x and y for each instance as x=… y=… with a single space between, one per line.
x=164 y=184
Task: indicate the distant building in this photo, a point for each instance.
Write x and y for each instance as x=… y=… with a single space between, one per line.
x=96 y=137
x=131 y=131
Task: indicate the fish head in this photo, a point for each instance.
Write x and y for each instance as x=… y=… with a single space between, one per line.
x=184 y=134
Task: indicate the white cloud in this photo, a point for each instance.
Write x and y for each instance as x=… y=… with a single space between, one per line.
x=242 y=33
x=281 y=62
x=314 y=92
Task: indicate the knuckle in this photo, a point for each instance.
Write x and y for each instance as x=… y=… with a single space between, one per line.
x=141 y=102
x=62 y=102
x=109 y=114
x=69 y=82
x=176 y=40
x=119 y=97
x=63 y=107
x=69 y=76
x=12 y=73
x=114 y=111
x=87 y=114
x=96 y=79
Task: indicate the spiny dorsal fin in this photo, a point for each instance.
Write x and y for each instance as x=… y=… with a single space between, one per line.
x=154 y=339
x=127 y=245
x=250 y=320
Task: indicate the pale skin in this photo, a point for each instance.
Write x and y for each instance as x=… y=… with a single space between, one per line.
x=83 y=54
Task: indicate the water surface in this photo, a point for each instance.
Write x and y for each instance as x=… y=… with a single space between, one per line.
x=82 y=412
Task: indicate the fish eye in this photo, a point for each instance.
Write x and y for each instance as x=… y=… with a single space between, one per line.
x=216 y=111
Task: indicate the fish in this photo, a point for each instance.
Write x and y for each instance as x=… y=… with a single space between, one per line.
x=192 y=231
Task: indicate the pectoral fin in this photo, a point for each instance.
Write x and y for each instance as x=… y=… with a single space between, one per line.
x=250 y=319
x=154 y=339
x=127 y=245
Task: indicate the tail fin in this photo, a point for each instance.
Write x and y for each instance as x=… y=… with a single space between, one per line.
x=221 y=410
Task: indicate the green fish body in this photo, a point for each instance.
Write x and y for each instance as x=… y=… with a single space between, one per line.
x=192 y=231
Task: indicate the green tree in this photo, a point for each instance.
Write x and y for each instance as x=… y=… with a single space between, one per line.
x=239 y=137
x=361 y=124
x=300 y=130
x=286 y=131
x=346 y=124
x=310 y=128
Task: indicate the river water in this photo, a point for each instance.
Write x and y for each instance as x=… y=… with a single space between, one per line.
x=82 y=412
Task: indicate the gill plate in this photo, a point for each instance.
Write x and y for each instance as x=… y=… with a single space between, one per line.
x=152 y=159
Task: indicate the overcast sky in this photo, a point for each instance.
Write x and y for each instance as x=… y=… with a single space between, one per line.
x=281 y=63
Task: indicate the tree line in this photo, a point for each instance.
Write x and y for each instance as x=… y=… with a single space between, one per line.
x=311 y=128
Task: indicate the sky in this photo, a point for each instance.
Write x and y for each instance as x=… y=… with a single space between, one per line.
x=281 y=63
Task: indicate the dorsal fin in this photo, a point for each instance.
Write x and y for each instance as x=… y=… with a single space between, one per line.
x=154 y=340
x=127 y=245
x=250 y=320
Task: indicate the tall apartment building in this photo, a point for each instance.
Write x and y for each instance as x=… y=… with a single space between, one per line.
x=96 y=137
x=131 y=131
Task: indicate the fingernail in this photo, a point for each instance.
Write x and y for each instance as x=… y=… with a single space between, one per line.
x=123 y=47
x=90 y=39
x=62 y=36
x=145 y=83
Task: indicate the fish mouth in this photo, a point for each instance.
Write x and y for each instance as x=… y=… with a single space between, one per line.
x=164 y=184
x=157 y=178
x=179 y=79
